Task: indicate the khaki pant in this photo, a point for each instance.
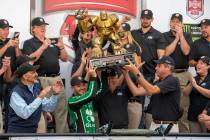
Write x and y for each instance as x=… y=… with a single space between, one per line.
x=60 y=112
x=174 y=129
x=41 y=125
x=184 y=103
x=197 y=127
x=134 y=115
x=148 y=120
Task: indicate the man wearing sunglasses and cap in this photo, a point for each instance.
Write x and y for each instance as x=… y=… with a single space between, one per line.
x=28 y=100
x=201 y=47
x=47 y=56
x=165 y=92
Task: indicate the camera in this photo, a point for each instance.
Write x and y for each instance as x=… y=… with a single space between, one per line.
x=54 y=41
x=16 y=35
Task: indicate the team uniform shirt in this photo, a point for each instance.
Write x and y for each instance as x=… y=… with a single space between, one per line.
x=149 y=42
x=165 y=106
x=181 y=60
x=48 y=61
x=200 y=47
x=198 y=102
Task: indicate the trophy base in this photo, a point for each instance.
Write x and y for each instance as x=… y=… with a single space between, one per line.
x=112 y=60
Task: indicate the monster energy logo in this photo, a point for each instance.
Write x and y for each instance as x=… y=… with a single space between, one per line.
x=193 y=29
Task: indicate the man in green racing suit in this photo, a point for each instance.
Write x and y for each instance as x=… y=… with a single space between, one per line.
x=80 y=105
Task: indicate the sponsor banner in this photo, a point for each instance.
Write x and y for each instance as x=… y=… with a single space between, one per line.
x=194 y=30
x=121 y=6
x=195 y=8
x=109 y=138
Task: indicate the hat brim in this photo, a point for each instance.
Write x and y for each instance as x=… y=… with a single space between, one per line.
x=79 y=82
x=147 y=16
x=158 y=62
x=20 y=72
x=5 y=26
x=39 y=24
x=205 y=23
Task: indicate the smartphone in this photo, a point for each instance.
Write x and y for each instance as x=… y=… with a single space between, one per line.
x=54 y=41
x=16 y=35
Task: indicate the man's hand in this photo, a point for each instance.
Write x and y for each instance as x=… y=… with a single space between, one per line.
x=6 y=63
x=84 y=58
x=60 y=43
x=132 y=67
x=92 y=71
x=11 y=43
x=203 y=117
x=44 y=92
x=57 y=87
x=16 y=42
x=179 y=30
x=46 y=43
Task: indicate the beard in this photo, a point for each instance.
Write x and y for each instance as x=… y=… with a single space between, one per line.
x=145 y=25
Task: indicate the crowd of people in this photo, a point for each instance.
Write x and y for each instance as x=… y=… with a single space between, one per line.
x=153 y=91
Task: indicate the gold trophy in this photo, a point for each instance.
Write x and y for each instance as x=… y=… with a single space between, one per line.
x=108 y=27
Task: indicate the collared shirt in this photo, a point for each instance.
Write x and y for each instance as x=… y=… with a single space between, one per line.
x=112 y=107
x=181 y=60
x=149 y=42
x=24 y=110
x=48 y=61
x=10 y=52
x=200 y=47
x=165 y=106
x=198 y=101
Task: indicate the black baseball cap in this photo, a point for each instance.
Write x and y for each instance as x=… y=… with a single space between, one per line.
x=4 y=23
x=205 y=59
x=38 y=21
x=23 y=59
x=77 y=80
x=24 y=68
x=146 y=14
x=166 y=60
x=126 y=26
x=113 y=71
x=178 y=16
x=205 y=22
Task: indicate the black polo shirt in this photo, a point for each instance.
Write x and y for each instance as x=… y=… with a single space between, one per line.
x=198 y=102
x=10 y=52
x=112 y=107
x=48 y=61
x=149 y=42
x=200 y=47
x=165 y=106
x=181 y=60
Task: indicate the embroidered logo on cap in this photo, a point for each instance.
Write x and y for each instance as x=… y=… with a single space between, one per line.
x=42 y=20
x=203 y=21
x=5 y=22
x=177 y=15
x=145 y=12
